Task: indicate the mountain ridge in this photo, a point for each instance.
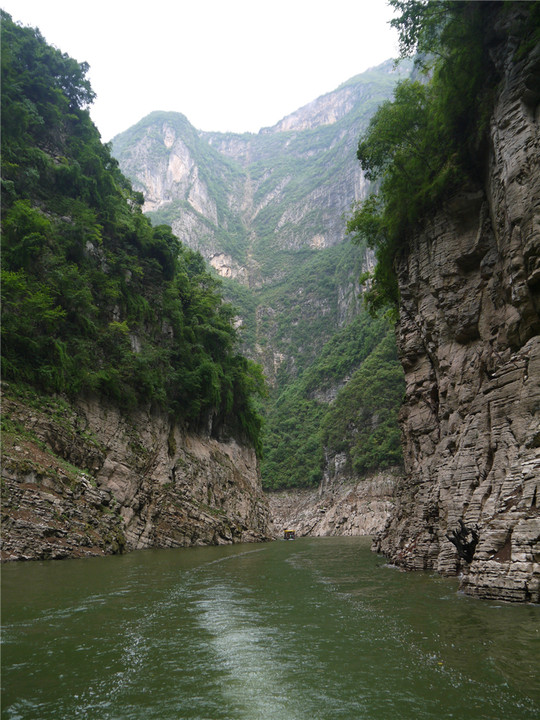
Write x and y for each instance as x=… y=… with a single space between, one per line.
x=320 y=104
x=160 y=155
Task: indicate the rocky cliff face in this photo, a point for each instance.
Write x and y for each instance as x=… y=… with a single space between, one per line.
x=327 y=109
x=343 y=506
x=470 y=346
x=88 y=480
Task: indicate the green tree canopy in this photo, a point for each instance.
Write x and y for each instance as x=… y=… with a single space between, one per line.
x=95 y=299
x=431 y=139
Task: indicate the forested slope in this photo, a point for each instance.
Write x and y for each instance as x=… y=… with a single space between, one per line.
x=128 y=416
x=96 y=299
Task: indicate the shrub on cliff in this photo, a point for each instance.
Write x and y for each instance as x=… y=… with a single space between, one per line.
x=430 y=140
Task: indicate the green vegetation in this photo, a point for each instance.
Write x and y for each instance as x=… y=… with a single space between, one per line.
x=341 y=384
x=363 y=420
x=345 y=402
x=95 y=299
x=303 y=309
x=431 y=139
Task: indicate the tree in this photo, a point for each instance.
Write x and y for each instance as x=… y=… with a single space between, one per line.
x=431 y=139
x=95 y=299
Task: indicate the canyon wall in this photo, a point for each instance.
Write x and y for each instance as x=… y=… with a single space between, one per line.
x=470 y=346
x=344 y=506
x=88 y=480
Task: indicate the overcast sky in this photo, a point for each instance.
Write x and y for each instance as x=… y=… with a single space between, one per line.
x=228 y=65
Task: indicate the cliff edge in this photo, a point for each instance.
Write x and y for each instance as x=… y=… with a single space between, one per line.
x=469 y=343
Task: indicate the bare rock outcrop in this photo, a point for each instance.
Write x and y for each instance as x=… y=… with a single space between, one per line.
x=89 y=480
x=470 y=346
x=345 y=506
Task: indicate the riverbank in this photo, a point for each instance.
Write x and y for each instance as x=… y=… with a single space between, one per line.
x=84 y=479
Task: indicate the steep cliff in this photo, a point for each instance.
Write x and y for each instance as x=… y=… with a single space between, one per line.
x=470 y=346
x=341 y=506
x=85 y=479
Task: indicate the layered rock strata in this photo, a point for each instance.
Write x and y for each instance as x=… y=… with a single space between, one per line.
x=470 y=346
x=89 y=480
x=342 y=507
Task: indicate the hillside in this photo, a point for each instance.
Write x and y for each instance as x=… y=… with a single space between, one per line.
x=268 y=211
x=127 y=403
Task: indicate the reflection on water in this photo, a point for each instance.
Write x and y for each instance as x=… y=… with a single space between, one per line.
x=316 y=629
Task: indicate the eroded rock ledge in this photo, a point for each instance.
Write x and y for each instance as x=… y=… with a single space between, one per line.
x=88 y=480
x=470 y=346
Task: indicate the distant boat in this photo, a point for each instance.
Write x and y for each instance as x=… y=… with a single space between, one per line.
x=289 y=534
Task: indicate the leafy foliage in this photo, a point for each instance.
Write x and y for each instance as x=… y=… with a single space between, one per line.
x=313 y=414
x=363 y=420
x=430 y=140
x=94 y=298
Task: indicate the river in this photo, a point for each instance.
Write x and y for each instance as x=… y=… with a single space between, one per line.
x=313 y=629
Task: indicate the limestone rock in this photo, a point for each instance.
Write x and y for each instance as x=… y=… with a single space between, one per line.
x=346 y=506
x=93 y=481
x=470 y=346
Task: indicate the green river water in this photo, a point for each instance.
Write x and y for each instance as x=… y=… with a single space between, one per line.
x=314 y=629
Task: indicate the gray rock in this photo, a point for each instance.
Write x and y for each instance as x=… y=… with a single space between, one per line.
x=152 y=485
x=470 y=345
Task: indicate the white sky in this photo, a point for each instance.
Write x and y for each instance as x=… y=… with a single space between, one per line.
x=228 y=65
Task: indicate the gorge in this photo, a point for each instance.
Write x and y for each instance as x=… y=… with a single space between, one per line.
x=87 y=477
x=468 y=315
x=268 y=212
x=157 y=446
